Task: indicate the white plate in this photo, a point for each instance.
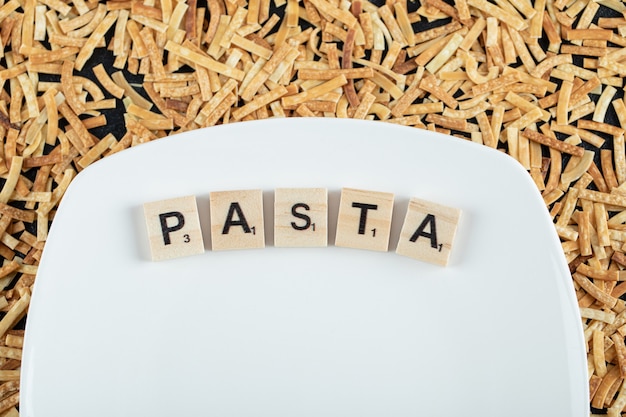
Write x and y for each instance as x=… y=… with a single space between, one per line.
x=286 y=332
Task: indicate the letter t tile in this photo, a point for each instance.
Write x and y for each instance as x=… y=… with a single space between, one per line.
x=364 y=220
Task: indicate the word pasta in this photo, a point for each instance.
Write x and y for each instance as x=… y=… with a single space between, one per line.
x=300 y=220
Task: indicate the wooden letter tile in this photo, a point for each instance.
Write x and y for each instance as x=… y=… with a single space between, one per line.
x=237 y=219
x=364 y=220
x=173 y=228
x=428 y=232
x=300 y=217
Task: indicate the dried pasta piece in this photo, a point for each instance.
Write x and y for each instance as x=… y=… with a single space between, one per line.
x=553 y=143
x=96 y=36
x=204 y=60
x=259 y=101
x=294 y=100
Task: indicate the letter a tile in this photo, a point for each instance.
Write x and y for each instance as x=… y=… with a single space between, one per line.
x=428 y=232
x=237 y=219
x=173 y=228
x=364 y=220
x=300 y=217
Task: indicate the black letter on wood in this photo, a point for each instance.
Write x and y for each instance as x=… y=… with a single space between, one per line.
x=428 y=220
x=363 y=219
x=165 y=229
x=302 y=216
x=235 y=208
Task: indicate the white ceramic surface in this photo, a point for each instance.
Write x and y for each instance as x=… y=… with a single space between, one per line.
x=287 y=332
